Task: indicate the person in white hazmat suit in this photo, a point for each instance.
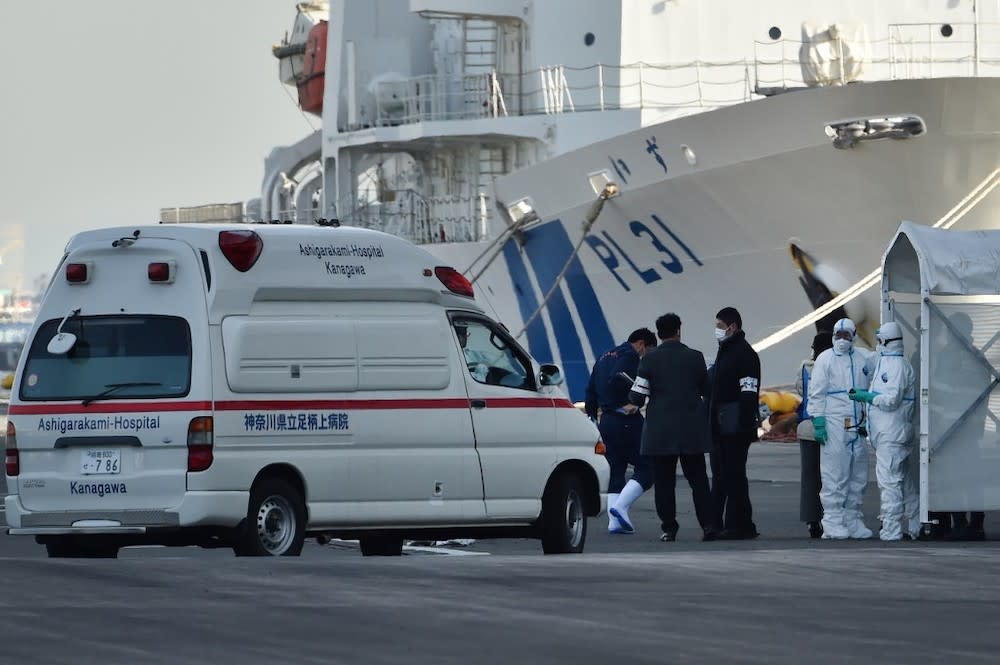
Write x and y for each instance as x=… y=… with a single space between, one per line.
x=890 y=430
x=839 y=426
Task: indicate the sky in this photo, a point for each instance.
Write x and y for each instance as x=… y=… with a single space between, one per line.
x=112 y=109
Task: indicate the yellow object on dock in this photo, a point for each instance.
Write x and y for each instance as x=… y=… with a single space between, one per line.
x=780 y=401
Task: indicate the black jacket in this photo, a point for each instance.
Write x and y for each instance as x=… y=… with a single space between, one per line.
x=735 y=380
x=676 y=381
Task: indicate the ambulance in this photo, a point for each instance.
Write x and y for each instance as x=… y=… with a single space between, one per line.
x=249 y=386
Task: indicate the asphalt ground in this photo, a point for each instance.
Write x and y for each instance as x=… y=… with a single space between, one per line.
x=781 y=598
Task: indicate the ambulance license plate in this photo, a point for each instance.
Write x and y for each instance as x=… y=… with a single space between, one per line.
x=102 y=462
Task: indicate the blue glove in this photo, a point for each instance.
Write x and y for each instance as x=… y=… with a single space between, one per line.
x=819 y=424
x=861 y=395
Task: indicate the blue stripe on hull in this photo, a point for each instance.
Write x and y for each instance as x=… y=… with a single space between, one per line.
x=589 y=308
x=548 y=247
x=538 y=340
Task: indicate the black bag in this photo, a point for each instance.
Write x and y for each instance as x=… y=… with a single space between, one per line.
x=728 y=416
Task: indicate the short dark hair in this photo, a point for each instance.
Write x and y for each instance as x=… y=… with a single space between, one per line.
x=729 y=316
x=822 y=341
x=668 y=325
x=644 y=335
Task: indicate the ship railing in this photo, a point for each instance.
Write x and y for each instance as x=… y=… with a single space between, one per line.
x=909 y=51
x=421 y=219
x=915 y=49
x=558 y=89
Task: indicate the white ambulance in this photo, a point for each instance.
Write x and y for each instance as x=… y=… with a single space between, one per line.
x=247 y=386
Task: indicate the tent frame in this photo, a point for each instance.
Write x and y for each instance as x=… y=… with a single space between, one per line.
x=903 y=257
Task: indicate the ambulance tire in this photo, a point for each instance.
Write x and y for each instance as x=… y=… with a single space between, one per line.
x=381 y=546
x=564 y=520
x=276 y=521
x=68 y=547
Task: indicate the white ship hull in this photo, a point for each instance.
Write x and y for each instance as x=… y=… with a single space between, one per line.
x=694 y=238
x=439 y=116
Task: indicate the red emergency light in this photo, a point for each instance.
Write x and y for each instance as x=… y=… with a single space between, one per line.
x=77 y=273
x=161 y=271
x=454 y=281
x=241 y=248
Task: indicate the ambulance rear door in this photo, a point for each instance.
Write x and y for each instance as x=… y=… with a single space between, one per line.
x=102 y=427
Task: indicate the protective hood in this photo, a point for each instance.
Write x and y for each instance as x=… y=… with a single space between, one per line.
x=890 y=338
x=842 y=346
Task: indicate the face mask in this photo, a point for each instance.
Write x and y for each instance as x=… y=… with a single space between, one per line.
x=842 y=345
x=720 y=334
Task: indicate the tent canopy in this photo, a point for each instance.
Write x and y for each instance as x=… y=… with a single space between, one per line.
x=947 y=262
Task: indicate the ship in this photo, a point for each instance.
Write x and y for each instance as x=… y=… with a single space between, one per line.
x=591 y=165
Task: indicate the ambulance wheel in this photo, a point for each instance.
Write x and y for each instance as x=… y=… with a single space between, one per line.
x=68 y=547
x=564 y=521
x=381 y=546
x=276 y=521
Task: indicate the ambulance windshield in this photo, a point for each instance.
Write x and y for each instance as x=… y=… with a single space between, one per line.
x=144 y=356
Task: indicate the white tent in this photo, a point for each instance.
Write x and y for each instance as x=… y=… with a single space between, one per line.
x=943 y=287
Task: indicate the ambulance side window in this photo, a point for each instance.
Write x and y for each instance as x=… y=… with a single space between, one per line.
x=491 y=357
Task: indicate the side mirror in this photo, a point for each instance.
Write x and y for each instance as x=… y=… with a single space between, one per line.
x=550 y=375
x=61 y=343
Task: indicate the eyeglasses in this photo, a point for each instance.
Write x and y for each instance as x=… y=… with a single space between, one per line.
x=843 y=334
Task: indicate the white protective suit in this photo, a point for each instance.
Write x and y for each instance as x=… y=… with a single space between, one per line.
x=890 y=430
x=844 y=457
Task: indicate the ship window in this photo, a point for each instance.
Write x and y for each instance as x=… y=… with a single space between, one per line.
x=947 y=30
x=589 y=38
x=774 y=33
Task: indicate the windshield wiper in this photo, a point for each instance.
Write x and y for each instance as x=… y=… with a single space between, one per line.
x=111 y=388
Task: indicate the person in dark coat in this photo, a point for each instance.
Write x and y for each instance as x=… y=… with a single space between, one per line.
x=810 y=508
x=733 y=412
x=675 y=380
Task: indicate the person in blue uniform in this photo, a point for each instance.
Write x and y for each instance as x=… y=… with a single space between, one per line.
x=621 y=425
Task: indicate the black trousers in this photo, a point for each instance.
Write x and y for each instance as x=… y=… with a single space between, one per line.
x=623 y=436
x=810 y=482
x=665 y=474
x=730 y=488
